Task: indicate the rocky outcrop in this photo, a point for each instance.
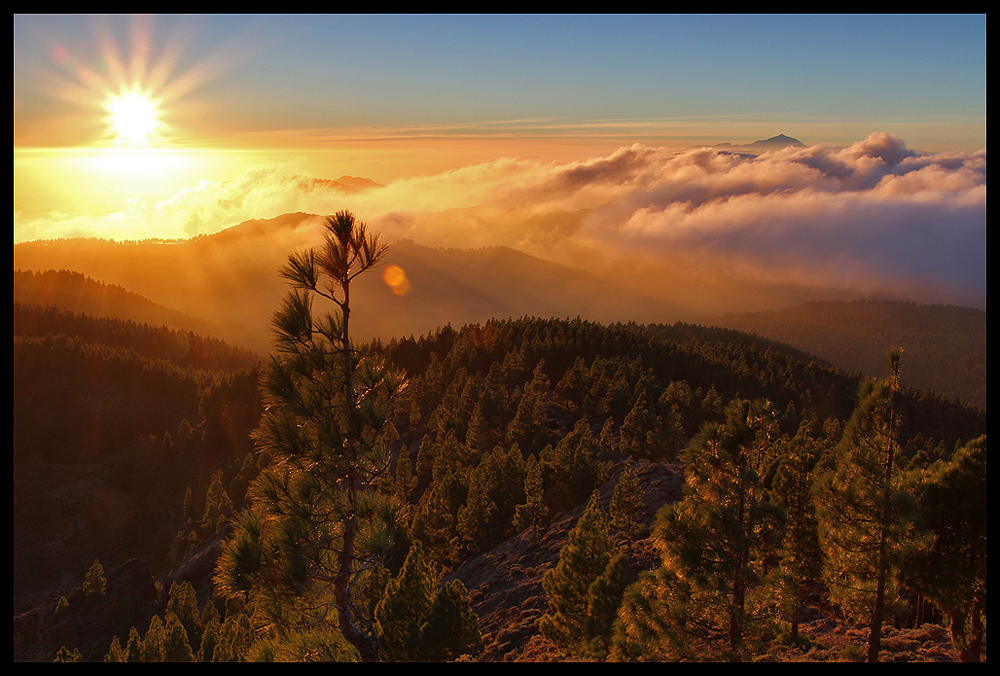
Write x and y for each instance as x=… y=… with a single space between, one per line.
x=87 y=622
x=505 y=583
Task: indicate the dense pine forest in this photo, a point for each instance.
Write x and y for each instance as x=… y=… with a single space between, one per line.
x=177 y=499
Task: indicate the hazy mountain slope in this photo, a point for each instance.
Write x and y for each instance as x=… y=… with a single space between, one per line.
x=466 y=286
x=79 y=293
x=944 y=345
x=231 y=279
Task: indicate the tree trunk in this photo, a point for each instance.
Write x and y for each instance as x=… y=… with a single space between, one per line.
x=875 y=633
x=795 y=612
x=366 y=645
x=739 y=579
x=967 y=648
x=875 y=636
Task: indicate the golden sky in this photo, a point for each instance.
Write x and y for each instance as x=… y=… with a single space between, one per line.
x=388 y=96
x=480 y=128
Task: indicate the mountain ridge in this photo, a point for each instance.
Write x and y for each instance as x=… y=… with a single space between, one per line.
x=855 y=336
x=231 y=278
x=779 y=141
x=81 y=294
x=468 y=286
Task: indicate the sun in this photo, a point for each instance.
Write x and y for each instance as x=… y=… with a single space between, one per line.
x=134 y=117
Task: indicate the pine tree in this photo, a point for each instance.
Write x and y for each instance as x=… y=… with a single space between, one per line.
x=793 y=475
x=218 y=505
x=94 y=583
x=421 y=621
x=64 y=654
x=449 y=629
x=627 y=505
x=671 y=435
x=406 y=600
x=712 y=403
x=62 y=609
x=495 y=489
x=426 y=459
x=477 y=518
x=154 y=640
x=404 y=481
x=183 y=604
x=234 y=638
x=531 y=513
x=176 y=646
x=317 y=528
x=608 y=440
x=435 y=521
x=581 y=561
x=945 y=559
x=641 y=433
x=528 y=429
x=713 y=545
x=604 y=597
x=133 y=647
x=451 y=455
x=569 y=393
x=861 y=507
x=209 y=639
x=573 y=467
x=477 y=435
x=115 y=652
x=494 y=404
x=678 y=393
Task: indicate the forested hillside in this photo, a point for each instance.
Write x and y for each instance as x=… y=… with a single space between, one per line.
x=229 y=277
x=74 y=291
x=945 y=345
x=134 y=443
x=113 y=422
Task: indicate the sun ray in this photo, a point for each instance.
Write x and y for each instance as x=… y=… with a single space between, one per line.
x=128 y=59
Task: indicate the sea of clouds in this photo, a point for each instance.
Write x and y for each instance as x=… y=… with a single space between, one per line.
x=874 y=216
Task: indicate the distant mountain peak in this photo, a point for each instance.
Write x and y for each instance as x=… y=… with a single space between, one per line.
x=779 y=141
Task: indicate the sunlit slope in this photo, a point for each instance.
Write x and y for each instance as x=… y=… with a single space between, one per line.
x=231 y=279
x=459 y=286
x=75 y=292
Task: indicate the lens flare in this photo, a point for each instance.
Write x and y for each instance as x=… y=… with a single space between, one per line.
x=395 y=277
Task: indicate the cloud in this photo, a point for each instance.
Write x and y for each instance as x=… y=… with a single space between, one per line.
x=875 y=217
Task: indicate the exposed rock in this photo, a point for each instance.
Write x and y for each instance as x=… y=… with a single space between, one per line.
x=198 y=567
x=505 y=589
x=505 y=584
x=89 y=622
